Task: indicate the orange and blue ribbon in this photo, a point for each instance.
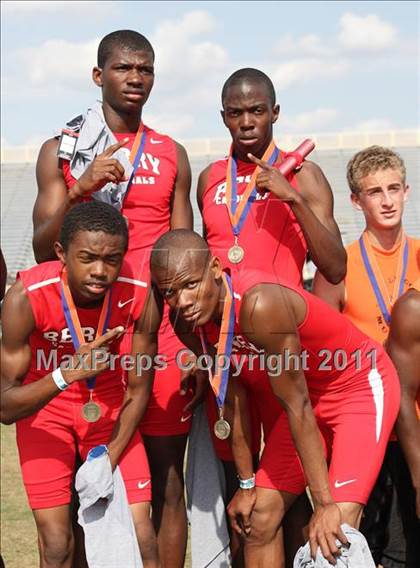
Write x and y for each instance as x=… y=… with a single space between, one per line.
x=400 y=276
x=135 y=154
x=73 y=322
x=239 y=211
x=219 y=380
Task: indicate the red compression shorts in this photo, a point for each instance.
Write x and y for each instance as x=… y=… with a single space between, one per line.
x=48 y=442
x=355 y=422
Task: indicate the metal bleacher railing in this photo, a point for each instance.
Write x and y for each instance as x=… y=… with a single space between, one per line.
x=216 y=146
x=332 y=153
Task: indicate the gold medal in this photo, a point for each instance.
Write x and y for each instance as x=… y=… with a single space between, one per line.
x=238 y=207
x=219 y=381
x=222 y=429
x=236 y=253
x=91 y=411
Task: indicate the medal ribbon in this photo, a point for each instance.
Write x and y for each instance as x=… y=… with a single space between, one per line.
x=73 y=322
x=366 y=251
x=219 y=380
x=135 y=154
x=239 y=211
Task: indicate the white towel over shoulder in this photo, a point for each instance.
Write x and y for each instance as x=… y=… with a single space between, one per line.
x=94 y=138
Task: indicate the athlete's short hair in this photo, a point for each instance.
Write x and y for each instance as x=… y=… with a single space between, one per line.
x=173 y=247
x=253 y=76
x=369 y=161
x=125 y=40
x=93 y=216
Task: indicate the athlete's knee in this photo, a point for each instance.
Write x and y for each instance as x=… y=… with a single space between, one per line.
x=169 y=490
x=265 y=525
x=56 y=546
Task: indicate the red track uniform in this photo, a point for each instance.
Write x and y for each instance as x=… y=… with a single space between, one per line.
x=147 y=208
x=273 y=242
x=271 y=236
x=354 y=390
x=49 y=439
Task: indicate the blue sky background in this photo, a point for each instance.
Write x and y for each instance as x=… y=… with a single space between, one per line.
x=336 y=66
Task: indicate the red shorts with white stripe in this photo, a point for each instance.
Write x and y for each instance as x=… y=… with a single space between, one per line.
x=48 y=441
x=355 y=419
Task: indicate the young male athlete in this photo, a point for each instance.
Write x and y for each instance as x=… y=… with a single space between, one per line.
x=382 y=265
x=343 y=383
x=154 y=198
x=60 y=320
x=286 y=219
x=403 y=345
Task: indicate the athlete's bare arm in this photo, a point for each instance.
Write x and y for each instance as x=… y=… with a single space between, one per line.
x=194 y=377
x=269 y=317
x=313 y=208
x=181 y=210
x=140 y=377
x=201 y=187
x=315 y=215
x=403 y=345
x=54 y=199
x=237 y=414
x=333 y=294
x=52 y=203
x=17 y=400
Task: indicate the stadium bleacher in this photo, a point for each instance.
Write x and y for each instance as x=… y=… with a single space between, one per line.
x=19 y=192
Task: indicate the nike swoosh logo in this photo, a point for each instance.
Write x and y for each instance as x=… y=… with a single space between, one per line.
x=153 y=141
x=122 y=304
x=339 y=484
x=141 y=485
x=185 y=418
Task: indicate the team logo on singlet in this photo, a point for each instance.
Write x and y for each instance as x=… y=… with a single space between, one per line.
x=148 y=163
x=239 y=343
x=220 y=196
x=64 y=335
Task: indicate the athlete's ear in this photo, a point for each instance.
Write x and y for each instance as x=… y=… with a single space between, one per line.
x=222 y=114
x=355 y=200
x=59 y=251
x=276 y=113
x=407 y=190
x=216 y=267
x=97 y=76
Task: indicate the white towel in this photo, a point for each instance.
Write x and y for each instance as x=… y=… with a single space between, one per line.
x=356 y=556
x=94 y=138
x=105 y=515
x=205 y=484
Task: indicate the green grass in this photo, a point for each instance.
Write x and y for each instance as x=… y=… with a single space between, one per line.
x=17 y=529
x=18 y=533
